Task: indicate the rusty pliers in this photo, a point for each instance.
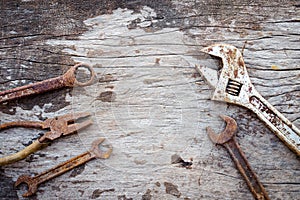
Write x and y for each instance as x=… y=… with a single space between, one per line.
x=59 y=126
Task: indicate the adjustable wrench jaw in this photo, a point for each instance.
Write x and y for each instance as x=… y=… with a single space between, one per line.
x=233 y=85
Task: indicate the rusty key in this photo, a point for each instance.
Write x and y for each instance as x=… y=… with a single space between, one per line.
x=227 y=139
x=66 y=80
x=34 y=182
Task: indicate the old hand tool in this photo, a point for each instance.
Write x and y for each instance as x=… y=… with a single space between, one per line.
x=33 y=182
x=59 y=126
x=66 y=80
x=233 y=86
x=227 y=139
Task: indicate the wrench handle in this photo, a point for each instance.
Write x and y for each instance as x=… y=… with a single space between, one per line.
x=34 y=182
x=63 y=167
x=66 y=80
x=281 y=126
x=34 y=88
x=256 y=188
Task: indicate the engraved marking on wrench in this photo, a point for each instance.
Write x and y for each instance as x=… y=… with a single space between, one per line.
x=33 y=182
x=233 y=87
x=271 y=116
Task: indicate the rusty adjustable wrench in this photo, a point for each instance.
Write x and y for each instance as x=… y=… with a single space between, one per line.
x=227 y=139
x=66 y=80
x=233 y=85
x=34 y=182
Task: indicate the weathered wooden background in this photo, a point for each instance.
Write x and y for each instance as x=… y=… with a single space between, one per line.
x=149 y=102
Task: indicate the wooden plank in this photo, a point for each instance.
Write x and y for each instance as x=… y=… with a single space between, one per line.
x=149 y=101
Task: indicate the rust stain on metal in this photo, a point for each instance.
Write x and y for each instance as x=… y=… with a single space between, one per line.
x=59 y=126
x=64 y=125
x=34 y=182
x=241 y=62
x=227 y=139
x=66 y=80
x=235 y=73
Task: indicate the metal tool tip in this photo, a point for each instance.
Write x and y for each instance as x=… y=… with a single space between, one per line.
x=206 y=49
x=22 y=179
x=229 y=121
x=212 y=135
x=98 y=152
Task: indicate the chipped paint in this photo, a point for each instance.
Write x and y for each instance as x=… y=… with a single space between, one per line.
x=275 y=67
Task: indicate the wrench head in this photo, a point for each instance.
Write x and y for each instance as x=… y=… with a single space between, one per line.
x=233 y=84
x=71 y=80
x=32 y=185
x=97 y=152
x=227 y=134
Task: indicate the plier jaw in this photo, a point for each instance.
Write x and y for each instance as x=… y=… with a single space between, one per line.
x=210 y=75
x=65 y=125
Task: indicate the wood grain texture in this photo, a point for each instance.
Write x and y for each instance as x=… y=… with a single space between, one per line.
x=149 y=101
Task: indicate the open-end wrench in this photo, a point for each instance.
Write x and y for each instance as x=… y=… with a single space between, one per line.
x=34 y=182
x=66 y=80
x=234 y=86
x=227 y=139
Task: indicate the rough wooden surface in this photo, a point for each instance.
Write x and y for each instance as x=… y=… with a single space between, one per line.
x=149 y=102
